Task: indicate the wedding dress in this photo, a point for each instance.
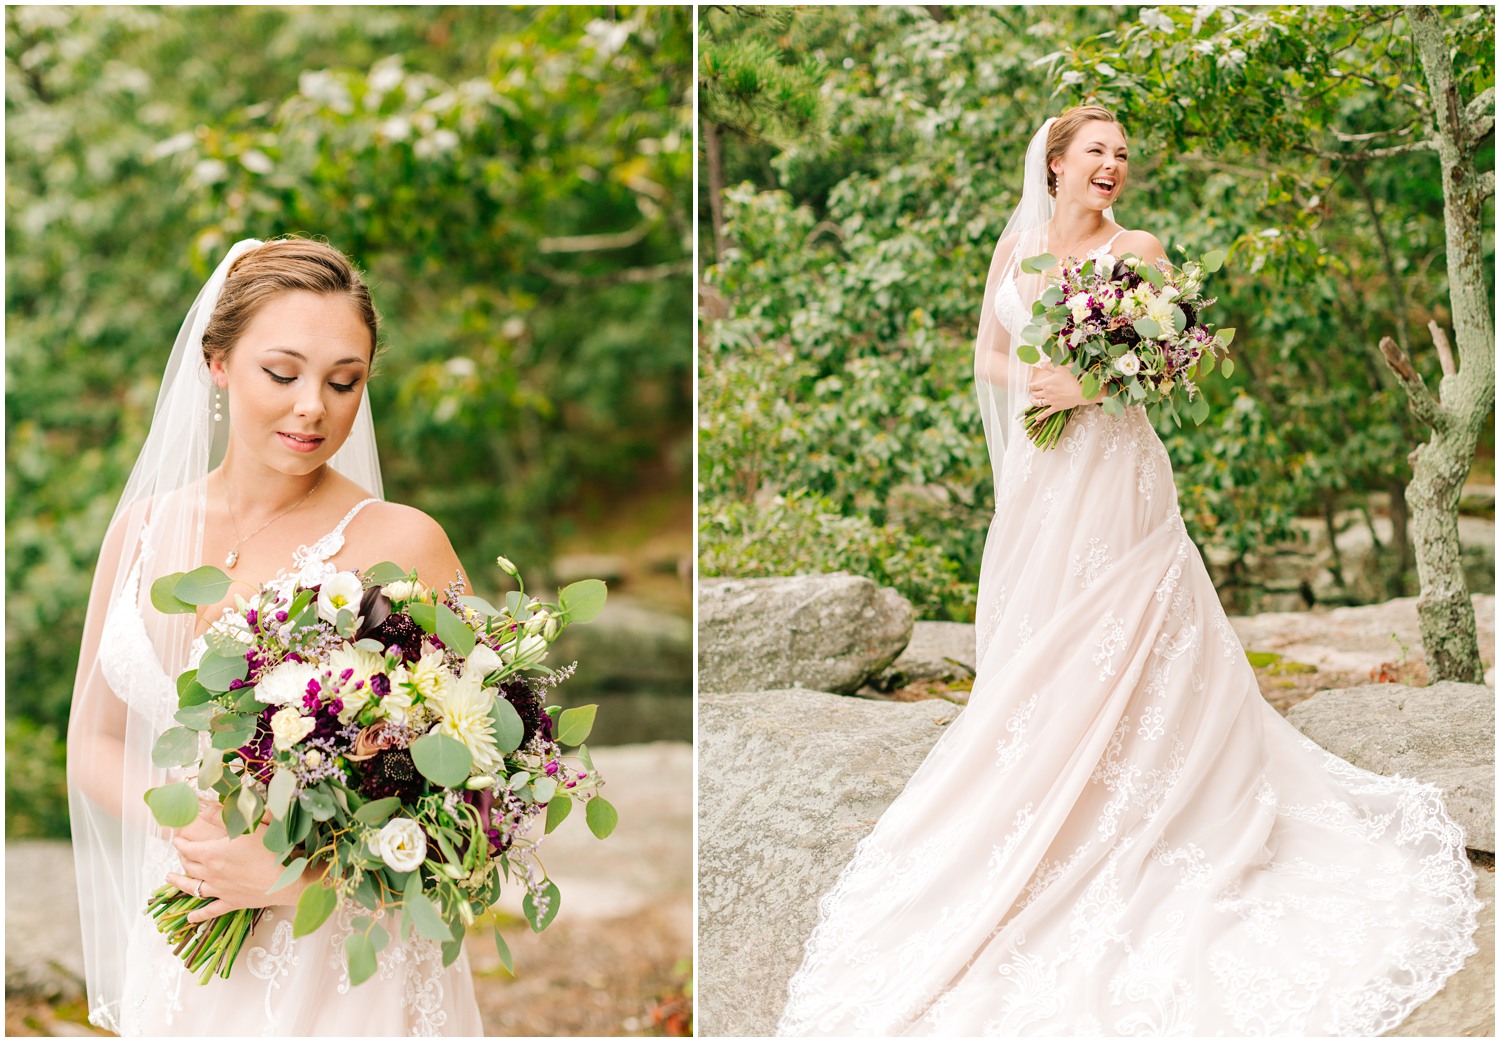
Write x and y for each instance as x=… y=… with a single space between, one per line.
x=125 y=697
x=1118 y=835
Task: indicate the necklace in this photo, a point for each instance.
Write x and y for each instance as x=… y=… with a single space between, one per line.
x=232 y=558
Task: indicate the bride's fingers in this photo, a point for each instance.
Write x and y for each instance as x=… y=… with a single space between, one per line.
x=188 y=884
x=209 y=911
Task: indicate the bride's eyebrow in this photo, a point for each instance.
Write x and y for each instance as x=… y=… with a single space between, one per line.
x=301 y=357
x=1101 y=144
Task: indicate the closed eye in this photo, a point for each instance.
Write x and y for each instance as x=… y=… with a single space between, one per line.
x=343 y=388
x=277 y=376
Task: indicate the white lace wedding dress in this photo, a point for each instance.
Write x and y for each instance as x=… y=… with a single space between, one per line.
x=280 y=985
x=1118 y=835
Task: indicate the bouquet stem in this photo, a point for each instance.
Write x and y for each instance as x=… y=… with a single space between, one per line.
x=1044 y=434
x=206 y=948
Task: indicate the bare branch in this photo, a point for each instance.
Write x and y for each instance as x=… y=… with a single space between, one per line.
x=1424 y=145
x=1479 y=114
x=1485 y=185
x=593 y=243
x=1423 y=405
x=1377 y=133
x=654 y=273
x=1444 y=349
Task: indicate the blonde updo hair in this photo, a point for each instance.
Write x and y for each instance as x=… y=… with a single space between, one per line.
x=1062 y=133
x=283 y=266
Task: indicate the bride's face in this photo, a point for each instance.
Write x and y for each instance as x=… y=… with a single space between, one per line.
x=1095 y=165
x=294 y=380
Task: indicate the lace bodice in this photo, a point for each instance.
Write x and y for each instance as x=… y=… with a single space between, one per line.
x=1011 y=310
x=130 y=662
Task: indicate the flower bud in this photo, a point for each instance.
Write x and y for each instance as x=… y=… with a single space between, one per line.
x=506 y=566
x=483 y=781
x=551 y=630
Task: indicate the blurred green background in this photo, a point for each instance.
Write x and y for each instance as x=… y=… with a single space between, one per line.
x=516 y=184
x=857 y=166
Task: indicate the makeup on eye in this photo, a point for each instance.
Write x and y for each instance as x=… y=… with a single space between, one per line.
x=342 y=388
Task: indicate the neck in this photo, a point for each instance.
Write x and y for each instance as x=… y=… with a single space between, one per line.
x=1073 y=222
x=255 y=491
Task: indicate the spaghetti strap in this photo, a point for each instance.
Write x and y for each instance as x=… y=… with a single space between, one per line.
x=339 y=531
x=1112 y=239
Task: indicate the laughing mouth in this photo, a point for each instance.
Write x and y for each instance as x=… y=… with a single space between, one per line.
x=1104 y=184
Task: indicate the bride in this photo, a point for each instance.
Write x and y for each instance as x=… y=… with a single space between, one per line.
x=1119 y=836
x=268 y=376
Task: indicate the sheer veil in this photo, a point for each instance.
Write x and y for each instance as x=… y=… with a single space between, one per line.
x=1001 y=379
x=124 y=695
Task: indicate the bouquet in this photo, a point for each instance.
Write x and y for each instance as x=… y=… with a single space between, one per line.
x=395 y=739
x=1129 y=329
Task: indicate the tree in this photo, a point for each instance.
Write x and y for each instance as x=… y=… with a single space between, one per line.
x=1277 y=87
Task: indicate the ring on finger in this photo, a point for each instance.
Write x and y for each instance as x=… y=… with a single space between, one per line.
x=198 y=890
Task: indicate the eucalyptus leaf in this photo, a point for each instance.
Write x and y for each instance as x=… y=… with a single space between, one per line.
x=291 y=875
x=453 y=631
x=480 y=605
x=540 y=921
x=558 y=809
x=601 y=816
x=165 y=601
x=1146 y=327
x=424 y=615
x=1227 y=368
x=1213 y=261
x=1038 y=264
x=279 y=795
x=1028 y=354
x=1225 y=335
x=231 y=730
x=174 y=806
x=376 y=812
x=582 y=601
x=210 y=768
x=313 y=909
x=424 y=917
x=202 y=586
x=442 y=760
x=451 y=949
x=175 y=747
x=543 y=789
x=574 y=725
x=317 y=802
x=503 y=950
x=216 y=672
x=507 y=725
x=385 y=572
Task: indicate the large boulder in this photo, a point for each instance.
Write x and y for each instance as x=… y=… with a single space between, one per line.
x=1443 y=734
x=821 y=632
x=631 y=646
x=43 y=941
x=789 y=782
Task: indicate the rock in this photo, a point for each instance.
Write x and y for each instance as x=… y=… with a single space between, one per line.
x=1478 y=500
x=1476 y=538
x=789 y=782
x=939 y=651
x=631 y=646
x=1442 y=734
x=822 y=632
x=1351 y=639
x=43 y=943
x=1466 y=1005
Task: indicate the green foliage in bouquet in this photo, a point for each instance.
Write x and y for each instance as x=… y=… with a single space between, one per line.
x=402 y=777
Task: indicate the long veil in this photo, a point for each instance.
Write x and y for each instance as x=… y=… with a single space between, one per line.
x=1002 y=380
x=124 y=695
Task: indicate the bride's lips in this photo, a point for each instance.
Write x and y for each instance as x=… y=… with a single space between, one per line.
x=300 y=442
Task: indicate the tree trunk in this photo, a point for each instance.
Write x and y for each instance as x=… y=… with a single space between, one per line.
x=713 y=151
x=1465 y=396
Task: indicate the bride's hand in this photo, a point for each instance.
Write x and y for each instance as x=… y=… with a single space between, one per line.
x=237 y=872
x=1056 y=389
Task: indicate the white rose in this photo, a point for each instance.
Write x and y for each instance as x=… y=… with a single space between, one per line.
x=1078 y=303
x=1128 y=364
x=289 y=727
x=343 y=590
x=483 y=660
x=403 y=590
x=286 y=684
x=401 y=844
x=1105 y=262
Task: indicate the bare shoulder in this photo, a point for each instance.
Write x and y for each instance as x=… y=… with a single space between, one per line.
x=1141 y=243
x=409 y=538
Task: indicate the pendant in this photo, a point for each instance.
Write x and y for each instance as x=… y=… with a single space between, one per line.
x=234 y=555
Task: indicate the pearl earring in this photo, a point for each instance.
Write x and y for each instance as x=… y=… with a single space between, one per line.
x=218 y=405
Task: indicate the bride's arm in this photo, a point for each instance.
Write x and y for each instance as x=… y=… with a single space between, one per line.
x=992 y=347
